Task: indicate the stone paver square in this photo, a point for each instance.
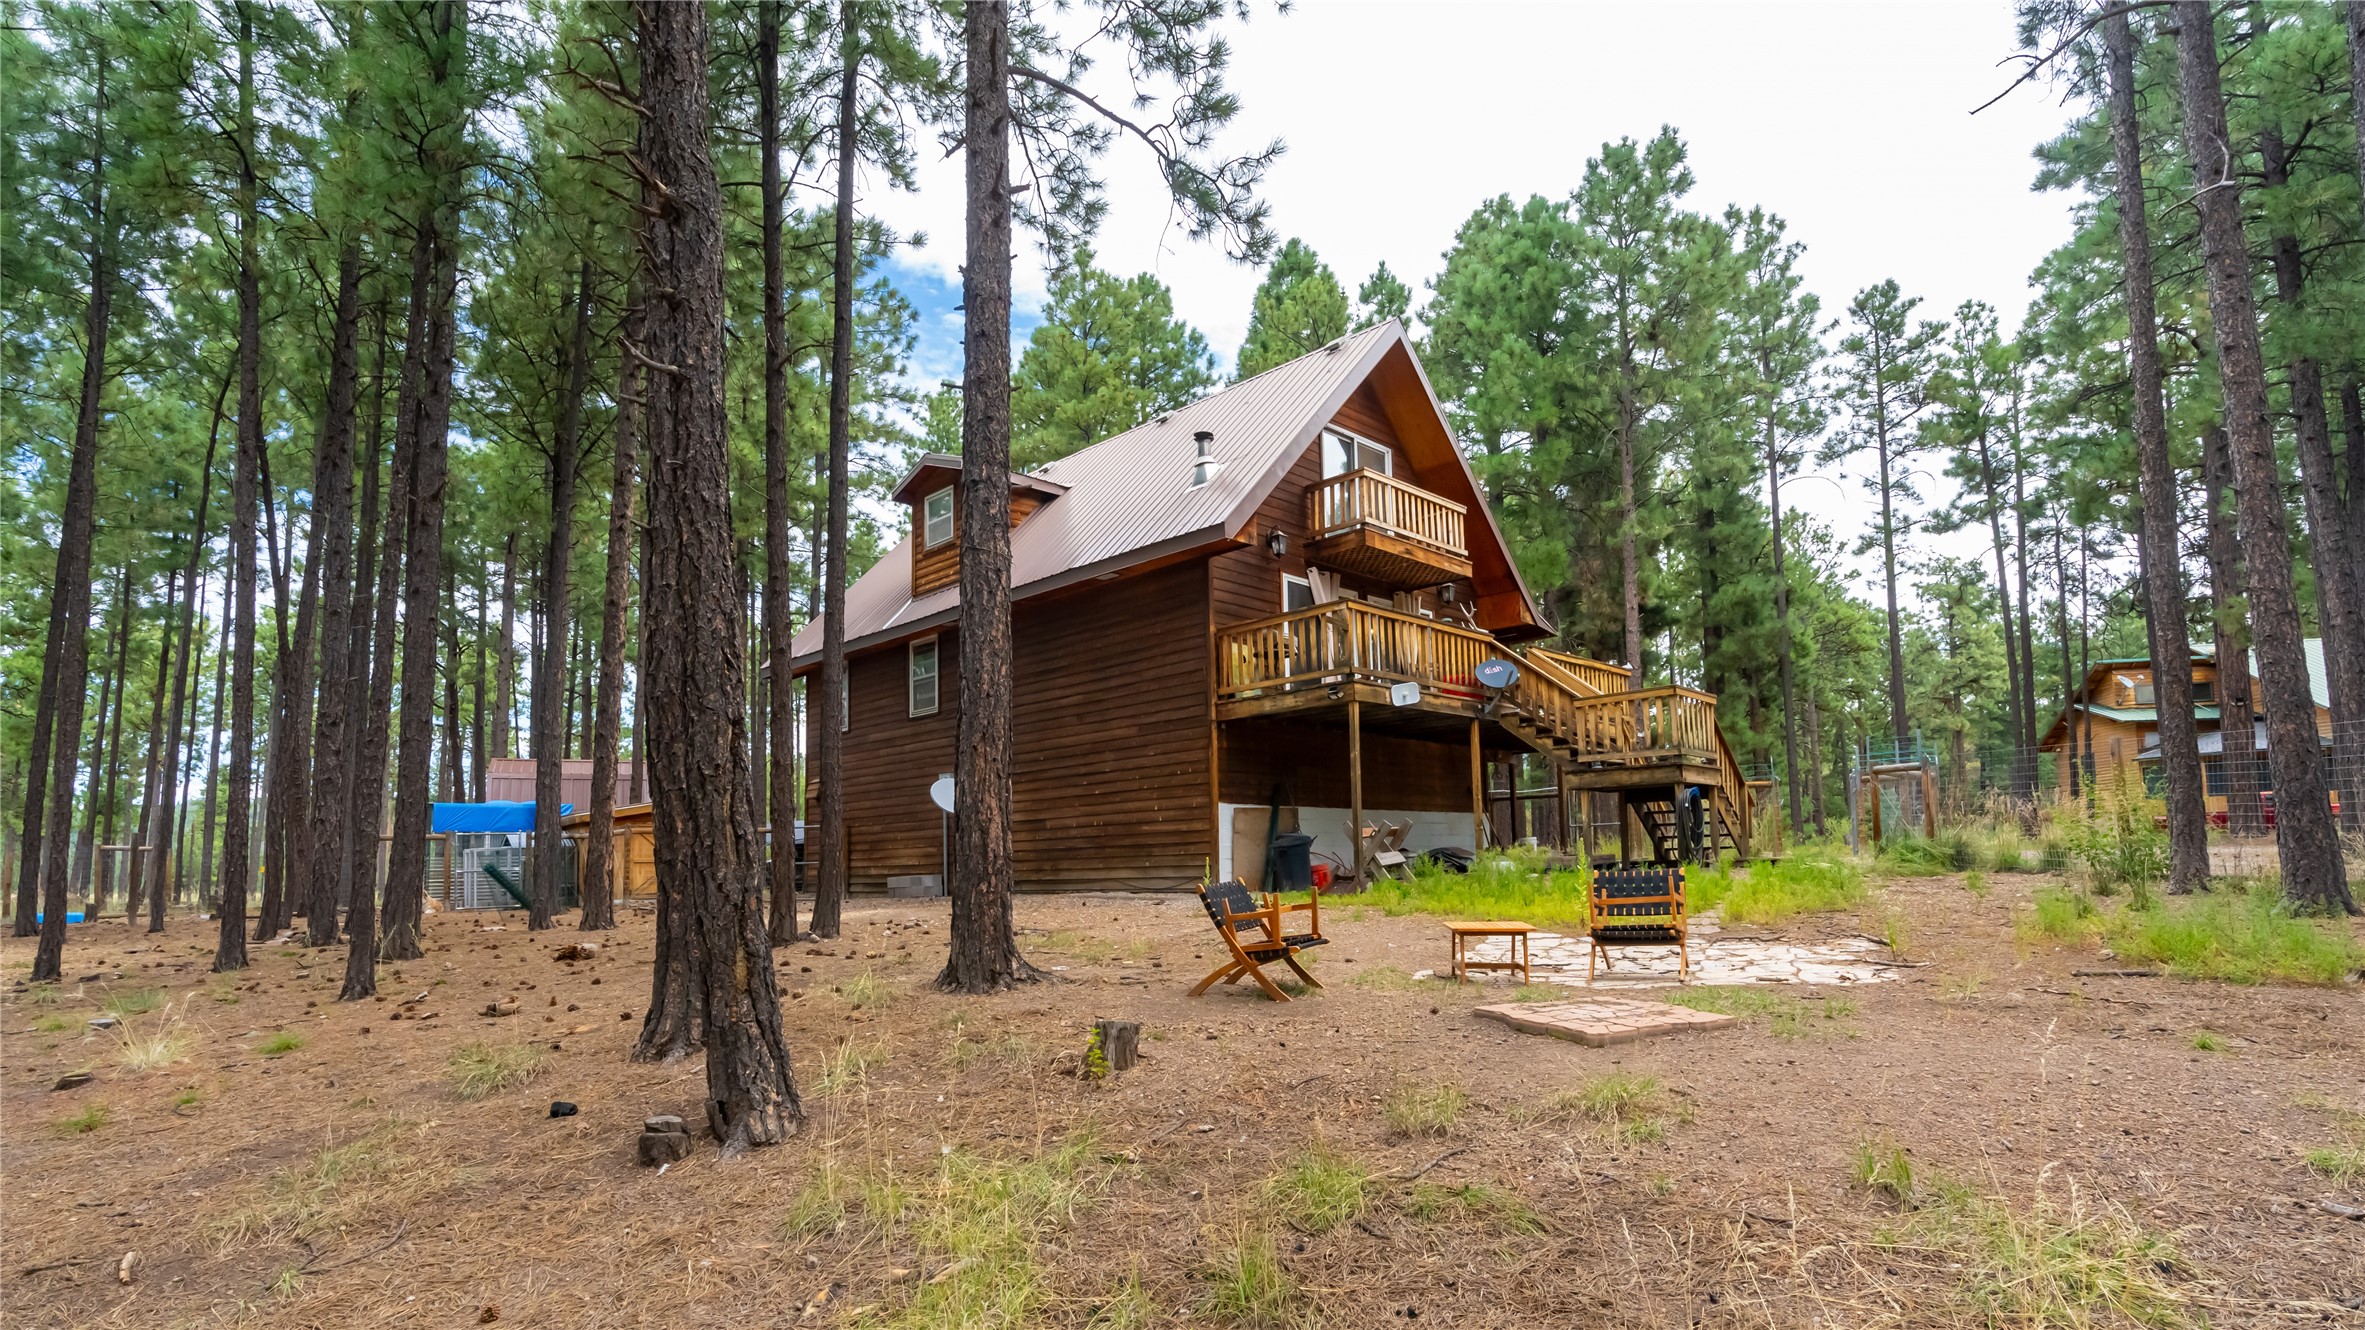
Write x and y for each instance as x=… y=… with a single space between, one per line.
x=1602 y=1021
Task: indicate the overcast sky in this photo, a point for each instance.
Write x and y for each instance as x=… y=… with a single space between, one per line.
x=1851 y=121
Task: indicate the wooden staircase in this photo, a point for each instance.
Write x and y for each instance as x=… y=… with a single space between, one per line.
x=1659 y=749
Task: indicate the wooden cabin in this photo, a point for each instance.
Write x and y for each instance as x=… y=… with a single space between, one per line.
x=2111 y=728
x=1268 y=607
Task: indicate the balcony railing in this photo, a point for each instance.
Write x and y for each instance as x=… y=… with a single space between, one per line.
x=1582 y=673
x=1380 y=501
x=1344 y=641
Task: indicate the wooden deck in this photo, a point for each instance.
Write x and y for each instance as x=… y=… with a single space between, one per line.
x=1371 y=523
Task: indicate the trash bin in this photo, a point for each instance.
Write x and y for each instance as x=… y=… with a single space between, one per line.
x=1293 y=862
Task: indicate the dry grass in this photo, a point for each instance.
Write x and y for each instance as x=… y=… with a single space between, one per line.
x=2082 y=1264
x=479 y=1069
x=146 y=1048
x=1633 y=1108
x=1424 y=1110
x=1318 y=1190
x=1246 y=1287
x=365 y=1179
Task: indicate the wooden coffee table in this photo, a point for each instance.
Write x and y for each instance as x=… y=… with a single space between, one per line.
x=1462 y=931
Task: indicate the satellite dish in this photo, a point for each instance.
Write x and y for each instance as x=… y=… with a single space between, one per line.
x=1498 y=673
x=941 y=793
x=1405 y=694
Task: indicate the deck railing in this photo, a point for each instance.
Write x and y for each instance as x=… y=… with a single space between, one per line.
x=1583 y=672
x=1344 y=641
x=1381 y=502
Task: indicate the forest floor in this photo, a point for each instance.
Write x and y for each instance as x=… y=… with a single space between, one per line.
x=1989 y=1140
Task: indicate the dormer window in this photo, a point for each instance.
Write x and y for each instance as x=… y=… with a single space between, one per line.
x=937 y=521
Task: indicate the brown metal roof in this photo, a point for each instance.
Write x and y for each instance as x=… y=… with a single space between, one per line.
x=1129 y=499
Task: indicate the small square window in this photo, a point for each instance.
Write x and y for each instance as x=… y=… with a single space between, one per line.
x=923 y=678
x=937 y=512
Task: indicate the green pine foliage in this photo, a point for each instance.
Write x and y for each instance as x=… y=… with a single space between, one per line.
x=1109 y=355
x=1300 y=307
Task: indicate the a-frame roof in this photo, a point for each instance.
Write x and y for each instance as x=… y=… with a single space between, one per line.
x=1128 y=500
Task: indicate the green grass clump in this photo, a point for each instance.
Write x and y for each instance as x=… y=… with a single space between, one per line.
x=127 y=1003
x=1424 y=1110
x=1884 y=1168
x=480 y=1069
x=1318 y=1190
x=1920 y=856
x=1430 y=1203
x=1787 y=1017
x=2049 y=1266
x=1502 y=884
x=146 y=1050
x=1386 y=978
x=54 y=1024
x=1246 y=1287
x=44 y=994
x=1636 y=1109
x=90 y=1119
x=285 y=1041
x=1812 y=879
x=2063 y=914
x=978 y=1225
x=2208 y=1042
x=865 y=992
x=336 y=1188
x=2245 y=937
x=847 y=1067
x=2341 y=1163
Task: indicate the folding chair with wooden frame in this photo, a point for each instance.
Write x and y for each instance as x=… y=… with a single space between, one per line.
x=1255 y=938
x=1638 y=905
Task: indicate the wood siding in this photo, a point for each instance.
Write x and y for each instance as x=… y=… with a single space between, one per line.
x=939 y=566
x=1110 y=786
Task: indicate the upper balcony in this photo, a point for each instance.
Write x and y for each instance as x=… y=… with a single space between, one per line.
x=1370 y=523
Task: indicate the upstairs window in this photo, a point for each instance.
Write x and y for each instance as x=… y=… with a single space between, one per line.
x=923 y=677
x=937 y=518
x=2205 y=692
x=2143 y=694
x=1343 y=452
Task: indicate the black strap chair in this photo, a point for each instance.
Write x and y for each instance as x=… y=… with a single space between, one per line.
x=1254 y=936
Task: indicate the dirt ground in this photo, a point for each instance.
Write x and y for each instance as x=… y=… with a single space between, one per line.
x=345 y=1181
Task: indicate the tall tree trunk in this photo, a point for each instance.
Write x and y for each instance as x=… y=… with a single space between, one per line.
x=2069 y=683
x=213 y=736
x=66 y=657
x=476 y=682
x=291 y=783
x=550 y=671
x=2026 y=740
x=2314 y=878
x=376 y=585
x=328 y=805
x=2338 y=552
x=102 y=758
x=2236 y=715
x=830 y=892
x=1790 y=769
x=2162 y=561
x=707 y=850
x=1629 y=555
x=152 y=757
x=984 y=945
x=2354 y=12
x=183 y=722
x=2015 y=667
x=505 y=653
x=780 y=797
x=245 y=477
x=599 y=876
x=1880 y=408
x=455 y=770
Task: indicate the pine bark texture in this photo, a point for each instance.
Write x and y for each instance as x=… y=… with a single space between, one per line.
x=2230 y=636
x=984 y=947
x=599 y=869
x=558 y=566
x=780 y=718
x=2156 y=490
x=185 y=627
x=67 y=656
x=709 y=855
x=245 y=475
x=332 y=516
x=830 y=894
x=2314 y=877
x=2337 y=550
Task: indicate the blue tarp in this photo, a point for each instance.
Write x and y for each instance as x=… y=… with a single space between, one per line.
x=470 y=819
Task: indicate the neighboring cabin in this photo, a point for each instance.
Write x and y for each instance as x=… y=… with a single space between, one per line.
x=1209 y=612
x=2117 y=706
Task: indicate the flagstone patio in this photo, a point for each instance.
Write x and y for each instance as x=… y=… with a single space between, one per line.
x=1717 y=958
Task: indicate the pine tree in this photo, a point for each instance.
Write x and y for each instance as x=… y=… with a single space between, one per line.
x=1299 y=307
x=1108 y=355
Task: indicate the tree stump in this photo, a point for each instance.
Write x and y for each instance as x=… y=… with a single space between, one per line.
x=1119 y=1043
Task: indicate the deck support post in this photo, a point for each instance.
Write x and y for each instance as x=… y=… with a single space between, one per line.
x=1355 y=785
x=1477 y=794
